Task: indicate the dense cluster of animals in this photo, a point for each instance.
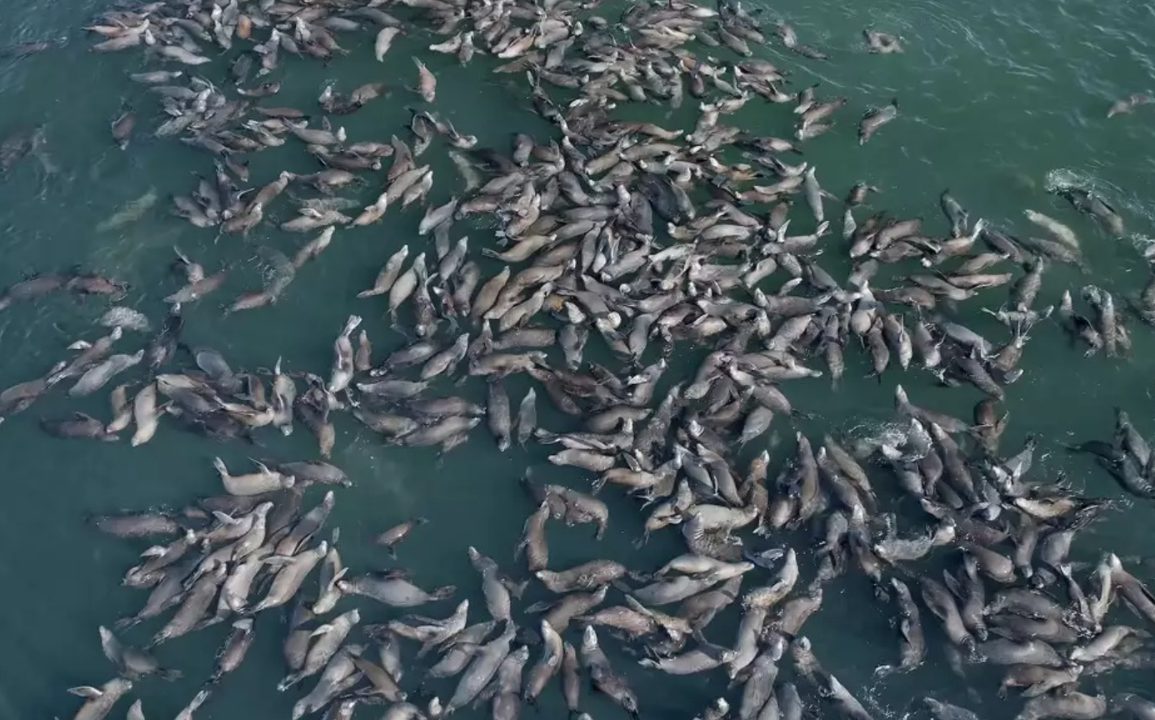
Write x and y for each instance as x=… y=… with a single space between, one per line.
x=657 y=241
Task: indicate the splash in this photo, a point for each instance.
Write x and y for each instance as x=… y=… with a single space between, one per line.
x=121 y=253
x=1061 y=179
x=869 y=436
x=1145 y=244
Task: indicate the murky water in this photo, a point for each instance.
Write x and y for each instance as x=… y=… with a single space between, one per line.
x=1000 y=103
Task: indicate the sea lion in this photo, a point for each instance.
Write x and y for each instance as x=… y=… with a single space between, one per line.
x=98 y=376
x=90 y=355
x=446 y=361
x=392 y=537
x=585 y=577
x=343 y=369
x=461 y=650
x=136 y=525
x=134 y=663
x=1072 y=705
x=1056 y=229
x=330 y=636
x=100 y=701
x=232 y=653
x=429 y=632
x=483 y=668
x=264 y=481
x=691 y=662
x=946 y=711
x=426 y=82
x=394 y=590
x=1101 y=644
x=498 y=414
x=505 y=688
x=1037 y=680
x=196 y=603
x=1139 y=598
x=450 y=429
x=497 y=595
x=1128 y=104
x=1137 y=707
x=384 y=41
x=21 y=396
x=873 y=120
x=315 y=472
x=79 y=425
x=1095 y=206
x=533 y=541
x=290 y=577
x=122 y=128
x=602 y=676
x=770 y=595
x=940 y=602
x=545 y=668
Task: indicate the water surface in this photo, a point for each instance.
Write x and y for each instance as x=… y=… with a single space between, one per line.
x=999 y=103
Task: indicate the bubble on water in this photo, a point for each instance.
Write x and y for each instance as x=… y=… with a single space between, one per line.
x=123 y=253
x=1145 y=244
x=1064 y=178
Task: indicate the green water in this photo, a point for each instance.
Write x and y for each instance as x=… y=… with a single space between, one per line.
x=998 y=101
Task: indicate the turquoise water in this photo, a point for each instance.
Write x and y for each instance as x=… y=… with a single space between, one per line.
x=999 y=104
